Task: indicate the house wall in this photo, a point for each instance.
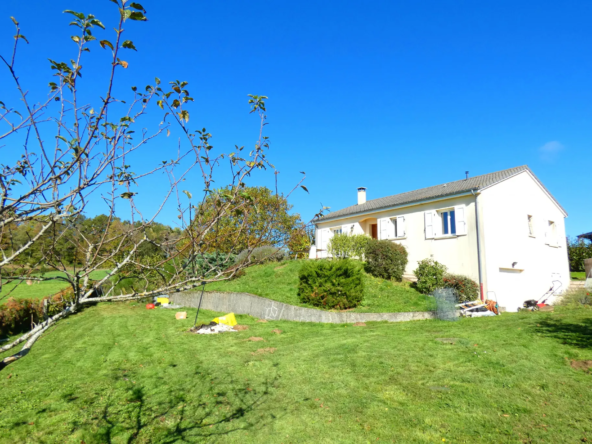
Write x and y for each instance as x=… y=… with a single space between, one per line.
x=505 y=208
x=458 y=253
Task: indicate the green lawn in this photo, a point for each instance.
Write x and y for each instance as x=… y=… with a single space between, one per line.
x=39 y=290
x=280 y=283
x=119 y=373
x=578 y=276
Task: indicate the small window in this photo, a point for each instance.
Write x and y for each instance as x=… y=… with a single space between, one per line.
x=552 y=236
x=448 y=223
x=395 y=226
x=336 y=231
x=530 y=226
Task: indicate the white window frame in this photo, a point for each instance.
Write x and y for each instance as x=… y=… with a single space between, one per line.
x=440 y=221
x=337 y=230
x=399 y=227
x=551 y=234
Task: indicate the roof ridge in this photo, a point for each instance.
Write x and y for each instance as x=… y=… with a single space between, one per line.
x=522 y=167
x=431 y=192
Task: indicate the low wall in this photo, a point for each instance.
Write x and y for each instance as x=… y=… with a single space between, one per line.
x=245 y=303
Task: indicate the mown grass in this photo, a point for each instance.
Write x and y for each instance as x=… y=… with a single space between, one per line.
x=38 y=290
x=578 y=276
x=280 y=282
x=119 y=373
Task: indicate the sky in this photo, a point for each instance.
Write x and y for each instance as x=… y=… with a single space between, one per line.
x=389 y=95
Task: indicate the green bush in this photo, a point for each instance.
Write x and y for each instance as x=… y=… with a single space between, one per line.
x=430 y=275
x=386 y=259
x=466 y=288
x=348 y=246
x=210 y=264
x=577 y=251
x=331 y=284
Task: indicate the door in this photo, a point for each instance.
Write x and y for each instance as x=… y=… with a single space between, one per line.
x=374 y=231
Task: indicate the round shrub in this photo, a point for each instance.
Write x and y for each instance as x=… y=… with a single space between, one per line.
x=430 y=275
x=386 y=259
x=466 y=288
x=331 y=284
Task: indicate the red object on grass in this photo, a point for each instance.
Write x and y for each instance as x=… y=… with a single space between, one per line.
x=541 y=305
x=149 y=306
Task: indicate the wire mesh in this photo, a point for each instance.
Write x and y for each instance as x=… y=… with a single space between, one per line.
x=446 y=301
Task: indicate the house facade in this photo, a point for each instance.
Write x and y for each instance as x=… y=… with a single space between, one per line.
x=504 y=230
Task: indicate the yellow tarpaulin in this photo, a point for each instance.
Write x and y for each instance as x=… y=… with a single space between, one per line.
x=162 y=300
x=227 y=319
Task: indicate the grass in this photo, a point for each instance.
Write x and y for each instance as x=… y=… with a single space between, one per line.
x=578 y=276
x=119 y=373
x=38 y=290
x=280 y=283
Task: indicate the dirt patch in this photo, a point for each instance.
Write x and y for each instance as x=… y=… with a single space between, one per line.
x=582 y=365
x=241 y=327
x=277 y=331
x=263 y=351
x=360 y=324
x=261 y=320
x=280 y=267
x=255 y=339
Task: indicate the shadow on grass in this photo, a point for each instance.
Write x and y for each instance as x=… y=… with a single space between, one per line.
x=576 y=334
x=206 y=407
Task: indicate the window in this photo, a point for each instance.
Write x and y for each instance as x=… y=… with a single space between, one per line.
x=448 y=223
x=552 y=234
x=336 y=231
x=396 y=227
x=530 y=226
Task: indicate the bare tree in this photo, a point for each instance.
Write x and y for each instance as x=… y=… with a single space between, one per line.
x=74 y=152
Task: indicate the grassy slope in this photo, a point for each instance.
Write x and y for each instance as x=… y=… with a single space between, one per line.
x=132 y=375
x=280 y=282
x=578 y=275
x=41 y=289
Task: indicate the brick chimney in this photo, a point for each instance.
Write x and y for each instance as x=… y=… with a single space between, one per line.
x=361 y=195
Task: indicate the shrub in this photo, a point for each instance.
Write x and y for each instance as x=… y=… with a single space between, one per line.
x=261 y=255
x=331 y=284
x=466 y=288
x=430 y=275
x=577 y=251
x=209 y=264
x=577 y=299
x=386 y=259
x=348 y=246
x=17 y=315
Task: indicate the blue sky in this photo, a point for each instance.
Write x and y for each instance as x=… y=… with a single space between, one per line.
x=389 y=95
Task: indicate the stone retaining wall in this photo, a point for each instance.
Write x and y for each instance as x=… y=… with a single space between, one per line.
x=263 y=308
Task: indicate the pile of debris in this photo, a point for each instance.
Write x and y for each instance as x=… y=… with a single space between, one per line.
x=211 y=328
x=218 y=325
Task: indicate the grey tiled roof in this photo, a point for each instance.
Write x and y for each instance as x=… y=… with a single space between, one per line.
x=443 y=190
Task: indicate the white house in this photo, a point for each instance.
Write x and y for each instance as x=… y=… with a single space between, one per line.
x=504 y=230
